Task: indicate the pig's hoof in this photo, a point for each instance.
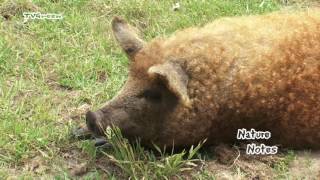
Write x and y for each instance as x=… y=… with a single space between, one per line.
x=101 y=142
x=82 y=133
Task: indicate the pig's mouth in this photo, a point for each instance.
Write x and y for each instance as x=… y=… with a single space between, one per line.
x=96 y=125
x=93 y=130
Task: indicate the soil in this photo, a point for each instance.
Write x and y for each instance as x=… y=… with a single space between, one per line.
x=233 y=163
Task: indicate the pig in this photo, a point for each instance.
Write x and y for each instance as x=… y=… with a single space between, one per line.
x=260 y=72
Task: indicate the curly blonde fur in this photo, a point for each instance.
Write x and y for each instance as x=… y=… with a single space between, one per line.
x=258 y=72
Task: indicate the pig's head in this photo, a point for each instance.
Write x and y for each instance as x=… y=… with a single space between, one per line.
x=155 y=87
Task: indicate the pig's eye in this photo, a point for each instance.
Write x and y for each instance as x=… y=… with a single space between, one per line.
x=152 y=95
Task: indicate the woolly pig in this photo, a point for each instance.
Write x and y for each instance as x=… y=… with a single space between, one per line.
x=260 y=72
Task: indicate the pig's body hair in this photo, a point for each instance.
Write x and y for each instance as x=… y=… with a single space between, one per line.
x=259 y=72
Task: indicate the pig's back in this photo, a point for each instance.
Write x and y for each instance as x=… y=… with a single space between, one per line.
x=257 y=71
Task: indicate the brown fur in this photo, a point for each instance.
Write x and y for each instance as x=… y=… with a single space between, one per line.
x=259 y=72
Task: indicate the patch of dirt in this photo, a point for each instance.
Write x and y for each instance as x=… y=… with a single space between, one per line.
x=306 y=165
x=79 y=169
x=102 y=76
x=300 y=3
x=52 y=82
x=75 y=113
x=36 y=165
x=11 y=8
x=100 y=7
x=233 y=163
x=107 y=167
x=78 y=164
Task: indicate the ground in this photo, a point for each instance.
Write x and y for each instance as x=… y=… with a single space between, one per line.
x=53 y=71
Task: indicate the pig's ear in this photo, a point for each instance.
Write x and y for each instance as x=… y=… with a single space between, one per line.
x=127 y=36
x=175 y=78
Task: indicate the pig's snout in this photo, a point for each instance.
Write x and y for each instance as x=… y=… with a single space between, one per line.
x=98 y=121
x=93 y=121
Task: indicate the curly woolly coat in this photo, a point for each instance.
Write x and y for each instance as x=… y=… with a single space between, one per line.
x=259 y=72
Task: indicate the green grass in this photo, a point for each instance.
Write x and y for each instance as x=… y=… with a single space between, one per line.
x=50 y=69
x=138 y=163
x=282 y=168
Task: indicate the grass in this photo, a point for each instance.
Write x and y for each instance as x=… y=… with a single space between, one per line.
x=138 y=163
x=282 y=167
x=52 y=71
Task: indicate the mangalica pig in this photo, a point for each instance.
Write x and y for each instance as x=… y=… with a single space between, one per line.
x=260 y=72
